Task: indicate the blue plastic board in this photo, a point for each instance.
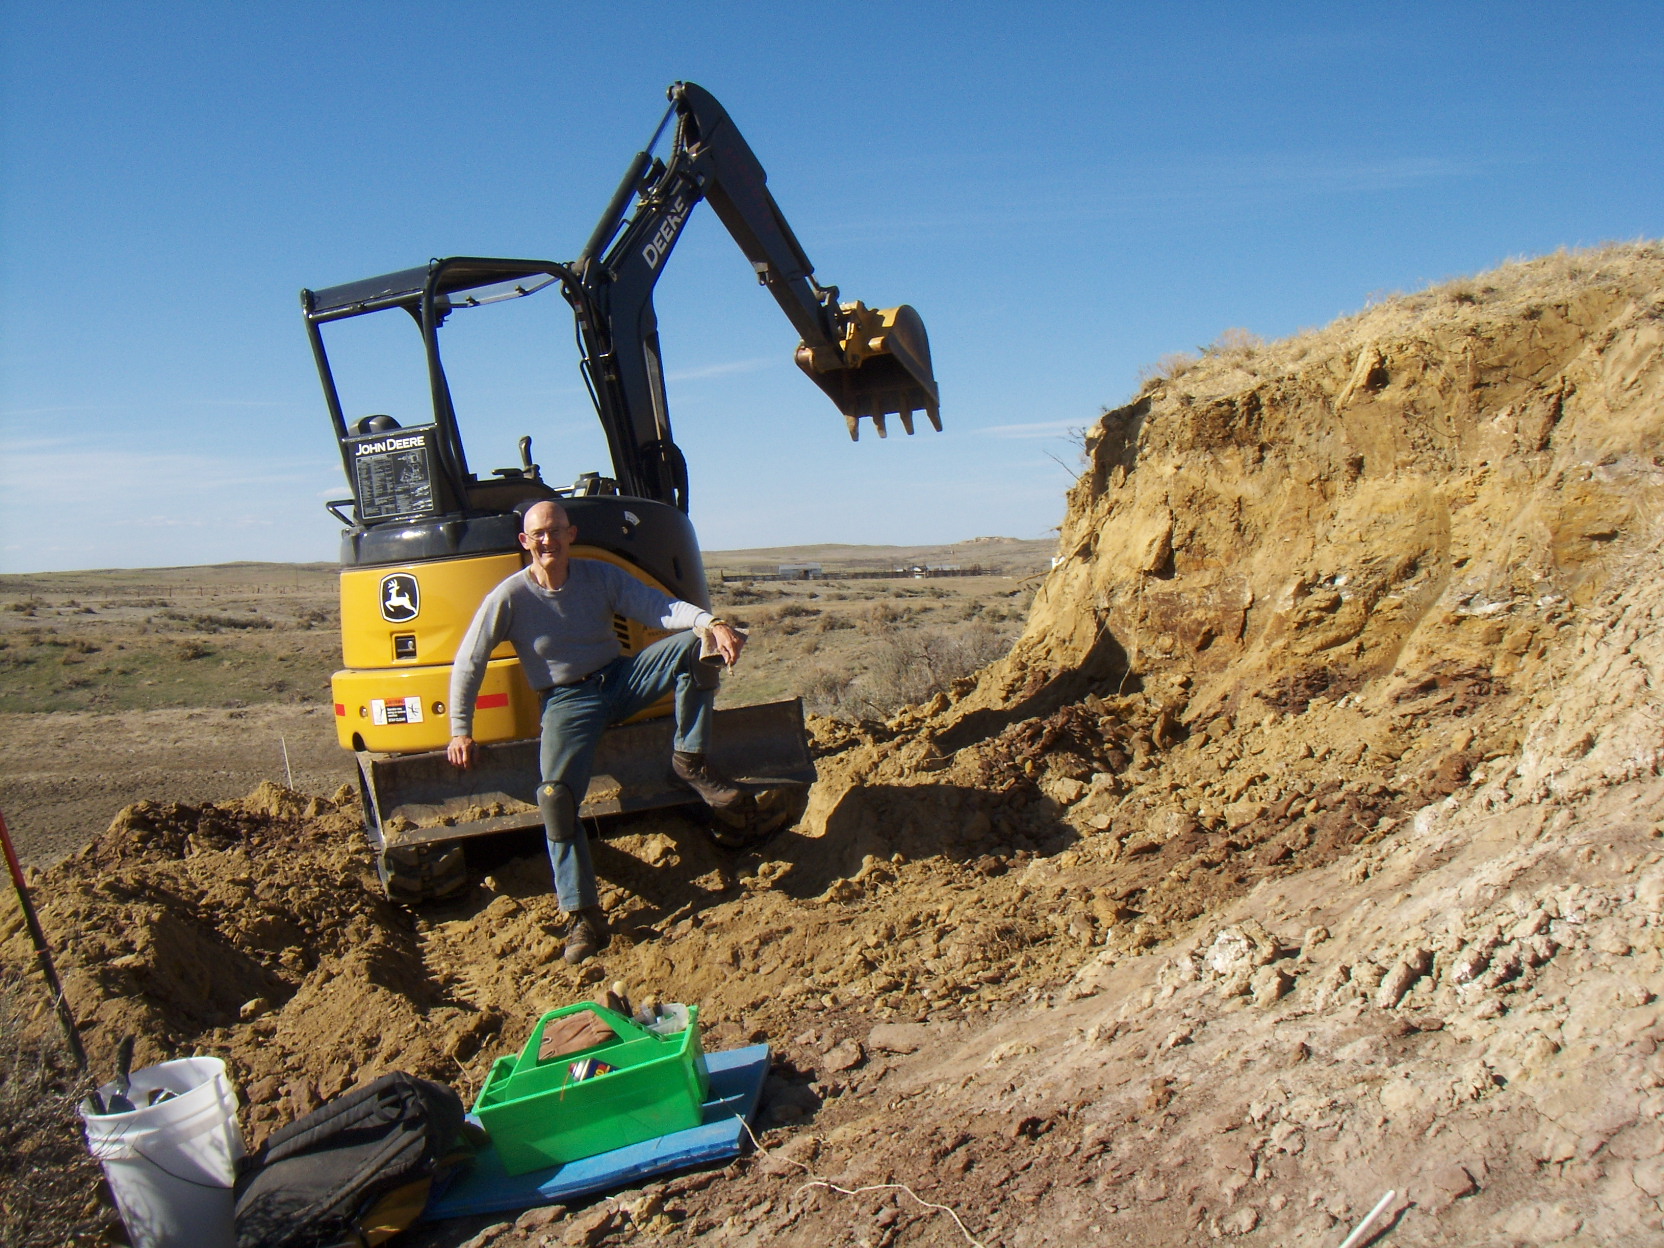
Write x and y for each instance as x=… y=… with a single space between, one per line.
x=736 y=1083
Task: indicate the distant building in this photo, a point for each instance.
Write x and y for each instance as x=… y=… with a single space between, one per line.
x=799 y=572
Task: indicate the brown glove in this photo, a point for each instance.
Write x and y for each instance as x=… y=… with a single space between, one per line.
x=573 y=1034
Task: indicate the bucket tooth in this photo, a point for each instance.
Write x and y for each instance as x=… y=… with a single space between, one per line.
x=907 y=420
x=854 y=423
x=878 y=424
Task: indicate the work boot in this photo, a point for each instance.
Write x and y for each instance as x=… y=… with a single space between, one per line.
x=715 y=789
x=587 y=936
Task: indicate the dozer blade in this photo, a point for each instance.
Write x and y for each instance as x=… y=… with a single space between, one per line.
x=415 y=799
x=885 y=368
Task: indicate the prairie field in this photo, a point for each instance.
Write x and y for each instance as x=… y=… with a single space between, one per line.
x=195 y=684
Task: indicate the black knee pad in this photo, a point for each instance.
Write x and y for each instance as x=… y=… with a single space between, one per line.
x=559 y=811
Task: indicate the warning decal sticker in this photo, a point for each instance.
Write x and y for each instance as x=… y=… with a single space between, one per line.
x=385 y=711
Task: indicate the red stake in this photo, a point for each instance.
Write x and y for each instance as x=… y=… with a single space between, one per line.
x=43 y=951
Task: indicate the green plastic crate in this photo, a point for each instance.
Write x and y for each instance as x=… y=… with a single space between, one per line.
x=537 y=1117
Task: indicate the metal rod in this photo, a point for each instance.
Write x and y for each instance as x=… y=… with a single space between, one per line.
x=43 y=951
x=287 y=770
x=1357 y=1235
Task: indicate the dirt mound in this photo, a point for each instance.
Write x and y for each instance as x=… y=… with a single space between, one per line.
x=216 y=928
x=1302 y=848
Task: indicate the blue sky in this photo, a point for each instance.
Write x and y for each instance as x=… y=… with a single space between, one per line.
x=1066 y=192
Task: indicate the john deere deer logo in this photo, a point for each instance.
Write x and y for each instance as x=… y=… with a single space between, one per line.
x=401 y=600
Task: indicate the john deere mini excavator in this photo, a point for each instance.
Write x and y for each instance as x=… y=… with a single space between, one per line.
x=426 y=537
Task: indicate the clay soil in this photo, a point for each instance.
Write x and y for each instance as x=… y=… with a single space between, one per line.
x=1305 y=847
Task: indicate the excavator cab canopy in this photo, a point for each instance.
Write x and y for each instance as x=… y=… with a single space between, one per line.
x=440 y=279
x=401 y=473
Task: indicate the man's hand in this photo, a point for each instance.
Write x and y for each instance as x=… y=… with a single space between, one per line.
x=462 y=751
x=729 y=641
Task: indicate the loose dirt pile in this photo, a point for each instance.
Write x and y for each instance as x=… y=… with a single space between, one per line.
x=1305 y=846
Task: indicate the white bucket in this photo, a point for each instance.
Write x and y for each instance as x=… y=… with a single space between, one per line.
x=171 y=1166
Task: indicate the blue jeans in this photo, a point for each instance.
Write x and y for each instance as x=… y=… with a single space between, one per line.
x=574 y=717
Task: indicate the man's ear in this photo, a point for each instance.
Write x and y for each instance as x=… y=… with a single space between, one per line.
x=524 y=540
x=571 y=533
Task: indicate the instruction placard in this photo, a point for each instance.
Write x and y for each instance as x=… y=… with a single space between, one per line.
x=385 y=711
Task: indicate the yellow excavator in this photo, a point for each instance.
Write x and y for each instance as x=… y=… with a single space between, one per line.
x=426 y=537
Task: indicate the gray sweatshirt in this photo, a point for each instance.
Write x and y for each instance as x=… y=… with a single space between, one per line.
x=561 y=635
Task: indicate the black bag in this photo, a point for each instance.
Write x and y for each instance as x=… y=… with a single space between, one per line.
x=356 y=1171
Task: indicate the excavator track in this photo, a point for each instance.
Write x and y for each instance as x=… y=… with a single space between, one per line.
x=413 y=874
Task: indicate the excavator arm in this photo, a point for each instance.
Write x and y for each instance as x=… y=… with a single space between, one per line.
x=870 y=362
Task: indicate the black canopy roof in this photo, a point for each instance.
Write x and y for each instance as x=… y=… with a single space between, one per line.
x=404 y=288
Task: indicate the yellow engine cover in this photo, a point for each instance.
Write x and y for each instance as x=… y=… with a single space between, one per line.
x=400 y=629
x=416 y=613
x=405 y=710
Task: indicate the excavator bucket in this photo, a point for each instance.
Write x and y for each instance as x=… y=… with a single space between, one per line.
x=885 y=368
x=413 y=800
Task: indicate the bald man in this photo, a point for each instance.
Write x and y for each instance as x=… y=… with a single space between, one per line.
x=558 y=613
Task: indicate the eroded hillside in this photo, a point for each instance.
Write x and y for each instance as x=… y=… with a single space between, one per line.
x=1303 y=847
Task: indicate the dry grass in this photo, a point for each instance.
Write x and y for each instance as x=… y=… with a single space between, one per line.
x=152 y=638
x=865 y=649
x=903 y=667
x=48 y=1182
x=1169 y=367
x=1238 y=360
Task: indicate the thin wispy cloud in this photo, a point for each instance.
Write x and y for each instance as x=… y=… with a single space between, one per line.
x=164 y=504
x=1038 y=429
x=718 y=370
x=38 y=468
x=145 y=406
x=1201 y=183
x=8 y=412
x=22 y=446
